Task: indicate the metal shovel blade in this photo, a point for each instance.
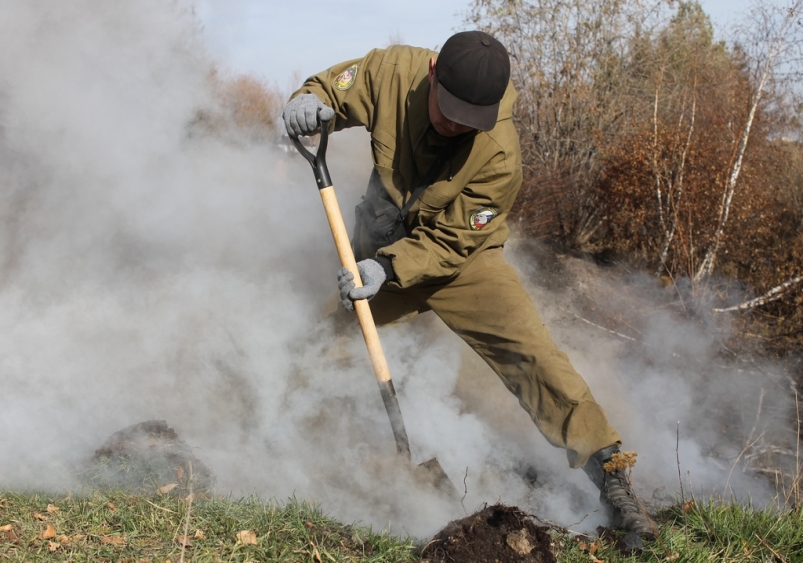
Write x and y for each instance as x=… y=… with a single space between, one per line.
x=431 y=473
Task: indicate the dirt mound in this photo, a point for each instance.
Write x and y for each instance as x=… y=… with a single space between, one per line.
x=145 y=458
x=495 y=534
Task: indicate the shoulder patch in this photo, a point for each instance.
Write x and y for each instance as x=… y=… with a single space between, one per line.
x=481 y=217
x=345 y=79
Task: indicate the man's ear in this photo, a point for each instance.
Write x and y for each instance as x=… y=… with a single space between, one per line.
x=432 y=67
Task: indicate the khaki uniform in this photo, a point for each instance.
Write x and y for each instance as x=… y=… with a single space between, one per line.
x=451 y=262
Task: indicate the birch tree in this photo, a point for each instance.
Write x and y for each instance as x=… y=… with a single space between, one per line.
x=656 y=184
x=773 y=43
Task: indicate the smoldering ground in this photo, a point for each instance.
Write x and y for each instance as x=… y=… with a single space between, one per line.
x=151 y=269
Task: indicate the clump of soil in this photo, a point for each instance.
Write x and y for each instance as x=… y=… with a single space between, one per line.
x=146 y=458
x=495 y=534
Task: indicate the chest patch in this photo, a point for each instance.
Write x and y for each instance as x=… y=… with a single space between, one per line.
x=345 y=79
x=481 y=217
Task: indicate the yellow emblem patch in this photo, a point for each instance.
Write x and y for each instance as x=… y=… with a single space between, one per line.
x=481 y=217
x=345 y=79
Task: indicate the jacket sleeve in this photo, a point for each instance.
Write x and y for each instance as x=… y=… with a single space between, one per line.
x=445 y=237
x=353 y=102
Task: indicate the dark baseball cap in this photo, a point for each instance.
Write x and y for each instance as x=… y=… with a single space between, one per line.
x=473 y=70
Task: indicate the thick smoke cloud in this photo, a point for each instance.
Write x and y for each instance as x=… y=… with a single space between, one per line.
x=152 y=271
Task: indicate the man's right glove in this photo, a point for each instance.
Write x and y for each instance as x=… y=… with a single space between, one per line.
x=373 y=274
x=301 y=114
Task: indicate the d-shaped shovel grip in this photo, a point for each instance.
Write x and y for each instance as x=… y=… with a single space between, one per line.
x=317 y=160
x=344 y=251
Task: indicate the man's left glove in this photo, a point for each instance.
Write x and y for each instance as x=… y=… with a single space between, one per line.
x=373 y=275
x=301 y=114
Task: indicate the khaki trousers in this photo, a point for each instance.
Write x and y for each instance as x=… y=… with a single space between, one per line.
x=488 y=308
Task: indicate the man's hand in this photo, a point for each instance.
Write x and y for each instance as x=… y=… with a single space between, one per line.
x=373 y=276
x=301 y=114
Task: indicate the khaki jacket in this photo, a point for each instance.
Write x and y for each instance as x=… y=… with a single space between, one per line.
x=460 y=214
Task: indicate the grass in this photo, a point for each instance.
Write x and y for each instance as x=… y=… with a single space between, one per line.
x=122 y=527
x=711 y=531
x=735 y=533
x=119 y=526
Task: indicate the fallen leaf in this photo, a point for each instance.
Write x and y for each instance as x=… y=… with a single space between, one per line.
x=688 y=506
x=592 y=549
x=199 y=535
x=64 y=540
x=40 y=517
x=51 y=508
x=247 y=537
x=583 y=546
x=53 y=546
x=113 y=540
x=167 y=488
x=111 y=507
x=49 y=533
x=79 y=537
x=674 y=556
x=309 y=524
x=7 y=532
x=179 y=473
x=183 y=541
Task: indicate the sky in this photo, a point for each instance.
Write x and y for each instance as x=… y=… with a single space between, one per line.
x=284 y=42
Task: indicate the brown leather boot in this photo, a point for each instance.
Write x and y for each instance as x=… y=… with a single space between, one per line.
x=616 y=495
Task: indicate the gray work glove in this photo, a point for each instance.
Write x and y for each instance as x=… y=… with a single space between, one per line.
x=301 y=114
x=373 y=276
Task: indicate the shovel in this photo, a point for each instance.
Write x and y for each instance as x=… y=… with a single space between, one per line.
x=431 y=471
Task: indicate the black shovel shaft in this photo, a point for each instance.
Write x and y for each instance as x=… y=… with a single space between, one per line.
x=394 y=414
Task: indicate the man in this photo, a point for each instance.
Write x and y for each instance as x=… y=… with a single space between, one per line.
x=443 y=122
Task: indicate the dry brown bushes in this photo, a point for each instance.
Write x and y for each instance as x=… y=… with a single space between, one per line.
x=245 y=109
x=646 y=139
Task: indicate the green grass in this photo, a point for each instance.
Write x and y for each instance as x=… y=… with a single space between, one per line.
x=727 y=532
x=709 y=532
x=119 y=526
x=122 y=527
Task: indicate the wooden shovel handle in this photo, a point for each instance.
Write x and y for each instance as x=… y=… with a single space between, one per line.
x=335 y=218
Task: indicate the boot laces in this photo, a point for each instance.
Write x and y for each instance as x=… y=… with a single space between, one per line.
x=618 y=491
x=619 y=496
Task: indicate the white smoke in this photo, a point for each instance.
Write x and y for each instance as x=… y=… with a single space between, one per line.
x=150 y=272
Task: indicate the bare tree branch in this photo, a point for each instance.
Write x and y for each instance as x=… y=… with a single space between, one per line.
x=772 y=295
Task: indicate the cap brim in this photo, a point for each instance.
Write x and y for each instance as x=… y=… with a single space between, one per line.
x=464 y=113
